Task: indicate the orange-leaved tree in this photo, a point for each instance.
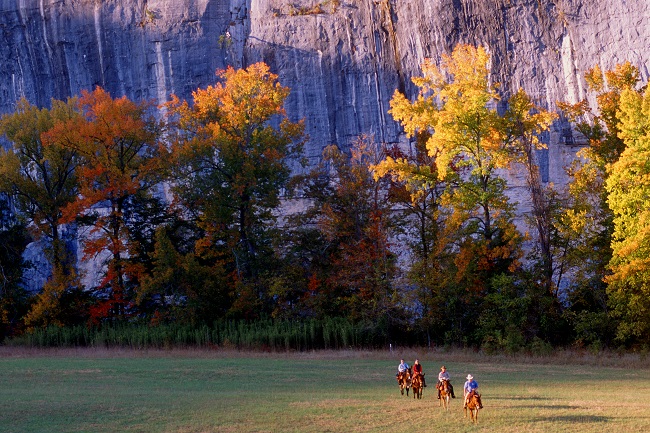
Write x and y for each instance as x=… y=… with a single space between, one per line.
x=119 y=141
x=232 y=160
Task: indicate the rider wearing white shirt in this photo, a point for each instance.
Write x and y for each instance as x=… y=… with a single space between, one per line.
x=443 y=375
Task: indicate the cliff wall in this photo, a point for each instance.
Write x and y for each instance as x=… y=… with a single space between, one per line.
x=342 y=64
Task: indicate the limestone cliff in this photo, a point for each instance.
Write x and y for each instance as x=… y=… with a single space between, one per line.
x=342 y=59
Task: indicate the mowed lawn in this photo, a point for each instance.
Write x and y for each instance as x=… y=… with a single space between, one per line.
x=121 y=391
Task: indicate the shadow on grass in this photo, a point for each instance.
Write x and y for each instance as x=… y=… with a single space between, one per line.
x=574 y=419
x=516 y=398
x=550 y=406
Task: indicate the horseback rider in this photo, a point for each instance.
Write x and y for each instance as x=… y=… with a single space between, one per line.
x=402 y=367
x=417 y=369
x=471 y=386
x=443 y=375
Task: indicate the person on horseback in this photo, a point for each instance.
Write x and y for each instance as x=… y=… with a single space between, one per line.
x=402 y=367
x=443 y=375
x=417 y=369
x=471 y=386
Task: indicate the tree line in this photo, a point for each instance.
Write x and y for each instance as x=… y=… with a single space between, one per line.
x=210 y=214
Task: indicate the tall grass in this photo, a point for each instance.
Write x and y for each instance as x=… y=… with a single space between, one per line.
x=333 y=333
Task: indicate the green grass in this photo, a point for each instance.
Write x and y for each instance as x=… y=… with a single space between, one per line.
x=185 y=391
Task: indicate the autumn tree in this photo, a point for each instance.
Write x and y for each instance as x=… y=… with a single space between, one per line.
x=353 y=264
x=119 y=142
x=628 y=187
x=416 y=193
x=456 y=104
x=587 y=223
x=233 y=158
x=41 y=178
x=523 y=123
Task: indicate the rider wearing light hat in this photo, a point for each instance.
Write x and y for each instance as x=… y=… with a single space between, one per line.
x=469 y=387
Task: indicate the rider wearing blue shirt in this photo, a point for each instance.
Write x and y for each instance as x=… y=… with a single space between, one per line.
x=402 y=367
x=470 y=385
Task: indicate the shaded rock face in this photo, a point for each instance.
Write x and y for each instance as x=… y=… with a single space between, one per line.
x=342 y=64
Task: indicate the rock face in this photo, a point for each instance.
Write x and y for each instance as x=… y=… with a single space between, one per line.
x=342 y=64
x=342 y=60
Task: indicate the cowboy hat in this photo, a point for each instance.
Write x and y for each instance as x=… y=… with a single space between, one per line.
x=443 y=367
x=470 y=377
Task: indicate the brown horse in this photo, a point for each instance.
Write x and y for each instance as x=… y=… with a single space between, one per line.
x=444 y=388
x=473 y=406
x=404 y=381
x=417 y=383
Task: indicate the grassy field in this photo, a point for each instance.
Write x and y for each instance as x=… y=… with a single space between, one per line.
x=186 y=391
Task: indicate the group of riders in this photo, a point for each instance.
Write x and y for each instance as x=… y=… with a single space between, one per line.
x=470 y=387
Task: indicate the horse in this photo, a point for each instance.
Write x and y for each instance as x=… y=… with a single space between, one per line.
x=473 y=405
x=444 y=389
x=404 y=381
x=417 y=383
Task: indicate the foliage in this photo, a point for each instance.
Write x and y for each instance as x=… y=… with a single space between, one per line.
x=219 y=243
x=416 y=190
x=231 y=161
x=349 y=225
x=118 y=141
x=523 y=124
x=469 y=143
x=587 y=221
x=628 y=185
x=40 y=175
x=13 y=297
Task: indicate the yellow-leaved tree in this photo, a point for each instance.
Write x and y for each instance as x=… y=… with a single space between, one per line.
x=628 y=185
x=587 y=223
x=469 y=145
x=456 y=105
